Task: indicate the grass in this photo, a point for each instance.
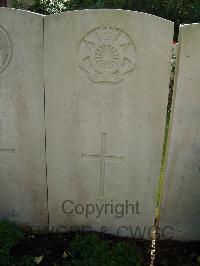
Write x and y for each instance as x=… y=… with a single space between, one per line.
x=166 y=134
x=163 y=162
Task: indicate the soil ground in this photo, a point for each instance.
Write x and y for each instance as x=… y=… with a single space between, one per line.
x=52 y=247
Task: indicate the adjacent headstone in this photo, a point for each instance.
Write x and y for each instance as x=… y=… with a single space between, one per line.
x=23 y=196
x=106 y=77
x=181 y=196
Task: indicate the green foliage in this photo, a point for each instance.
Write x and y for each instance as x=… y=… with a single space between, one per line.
x=88 y=249
x=24 y=261
x=179 y=11
x=45 y=7
x=91 y=250
x=10 y=234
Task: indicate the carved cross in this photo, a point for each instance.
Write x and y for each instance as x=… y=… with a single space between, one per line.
x=103 y=158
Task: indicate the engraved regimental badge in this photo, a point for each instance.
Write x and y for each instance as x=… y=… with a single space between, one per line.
x=5 y=49
x=107 y=54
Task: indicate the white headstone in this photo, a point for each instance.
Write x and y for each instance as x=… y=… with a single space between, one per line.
x=181 y=197
x=22 y=137
x=107 y=76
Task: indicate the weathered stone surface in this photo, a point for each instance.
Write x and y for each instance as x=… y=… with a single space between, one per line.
x=181 y=198
x=107 y=75
x=22 y=136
